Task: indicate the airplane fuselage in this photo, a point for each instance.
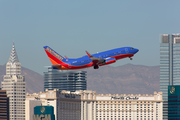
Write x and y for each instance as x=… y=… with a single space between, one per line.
x=96 y=60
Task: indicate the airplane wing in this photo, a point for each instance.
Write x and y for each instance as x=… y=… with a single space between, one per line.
x=96 y=60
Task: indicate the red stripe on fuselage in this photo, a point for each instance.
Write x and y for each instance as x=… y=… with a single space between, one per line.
x=123 y=56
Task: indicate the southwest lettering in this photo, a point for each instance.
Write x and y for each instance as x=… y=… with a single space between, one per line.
x=55 y=54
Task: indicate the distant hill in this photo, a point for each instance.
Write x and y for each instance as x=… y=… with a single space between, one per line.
x=126 y=79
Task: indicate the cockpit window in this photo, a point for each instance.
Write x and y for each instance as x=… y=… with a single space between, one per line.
x=132 y=48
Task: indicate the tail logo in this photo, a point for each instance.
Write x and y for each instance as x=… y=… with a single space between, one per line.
x=54 y=53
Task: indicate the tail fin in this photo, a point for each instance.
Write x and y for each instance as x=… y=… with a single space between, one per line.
x=54 y=57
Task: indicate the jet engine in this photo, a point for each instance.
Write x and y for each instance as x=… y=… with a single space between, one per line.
x=109 y=61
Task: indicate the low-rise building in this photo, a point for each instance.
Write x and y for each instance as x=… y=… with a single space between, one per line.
x=32 y=100
x=121 y=107
x=67 y=105
x=86 y=105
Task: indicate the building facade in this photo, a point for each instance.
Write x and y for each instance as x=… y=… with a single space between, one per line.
x=173 y=102
x=86 y=105
x=67 y=105
x=169 y=66
x=121 y=107
x=4 y=105
x=70 y=81
x=32 y=100
x=14 y=84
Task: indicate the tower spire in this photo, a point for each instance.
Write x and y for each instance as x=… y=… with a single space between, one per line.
x=13 y=58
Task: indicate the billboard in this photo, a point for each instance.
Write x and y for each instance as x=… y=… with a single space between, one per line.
x=44 y=113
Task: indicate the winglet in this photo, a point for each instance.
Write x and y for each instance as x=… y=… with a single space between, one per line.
x=88 y=54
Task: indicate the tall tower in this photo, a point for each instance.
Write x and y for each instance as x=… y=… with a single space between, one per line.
x=14 y=84
x=169 y=66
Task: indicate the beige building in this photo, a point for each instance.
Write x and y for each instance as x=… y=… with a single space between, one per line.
x=86 y=105
x=15 y=85
x=121 y=107
x=67 y=105
x=32 y=100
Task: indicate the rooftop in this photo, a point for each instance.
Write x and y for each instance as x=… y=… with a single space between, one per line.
x=13 y=58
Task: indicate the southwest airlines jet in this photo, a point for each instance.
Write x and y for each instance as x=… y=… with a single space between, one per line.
x=94 y=60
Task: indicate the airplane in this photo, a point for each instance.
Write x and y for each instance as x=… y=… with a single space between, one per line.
x=94 y=60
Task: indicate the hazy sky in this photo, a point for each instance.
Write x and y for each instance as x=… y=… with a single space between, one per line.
x=72 y=26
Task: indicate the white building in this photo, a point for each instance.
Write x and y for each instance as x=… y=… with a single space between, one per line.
x=32 y=100
x=121 y=107
x=86 y=105
x=14 y=84
x=67 y=105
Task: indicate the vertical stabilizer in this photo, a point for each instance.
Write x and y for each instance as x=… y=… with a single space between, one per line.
x=54 y=57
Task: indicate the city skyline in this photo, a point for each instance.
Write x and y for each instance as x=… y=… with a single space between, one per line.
x=72 y=27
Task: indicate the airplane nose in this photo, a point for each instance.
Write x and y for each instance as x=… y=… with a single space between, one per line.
x=136 y=50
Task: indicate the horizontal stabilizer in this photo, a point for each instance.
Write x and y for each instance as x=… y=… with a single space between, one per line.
x=56 y=66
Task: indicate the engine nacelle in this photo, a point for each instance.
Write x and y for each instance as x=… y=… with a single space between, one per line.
x=109 y=61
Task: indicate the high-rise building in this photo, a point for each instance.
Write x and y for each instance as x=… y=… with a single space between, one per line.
x=14 y=84
x=173 y=102
x=4 y=105
x=169 y=66
x=70 y=81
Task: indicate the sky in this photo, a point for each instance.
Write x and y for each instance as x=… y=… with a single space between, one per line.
x=71 y=27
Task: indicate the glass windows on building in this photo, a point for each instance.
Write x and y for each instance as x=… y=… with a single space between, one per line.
x=70 y=81
x=169 y=66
